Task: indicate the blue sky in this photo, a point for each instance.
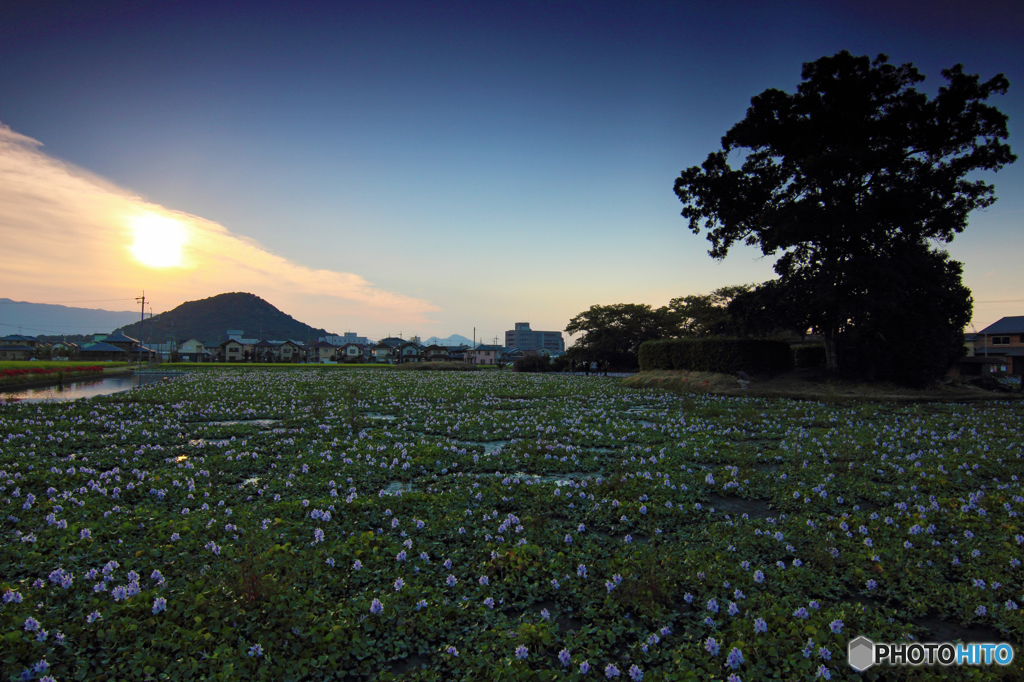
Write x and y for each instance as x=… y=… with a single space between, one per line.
x=455 y=164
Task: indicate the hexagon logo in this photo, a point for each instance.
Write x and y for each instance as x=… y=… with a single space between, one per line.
x=861 y=653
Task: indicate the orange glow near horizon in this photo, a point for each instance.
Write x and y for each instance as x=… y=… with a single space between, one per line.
x=159 y=240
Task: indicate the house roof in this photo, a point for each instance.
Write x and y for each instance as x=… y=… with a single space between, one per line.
x=322 y=344
x=102 y=347
x=30 y=349
x=494 y=348
x=118 y=337
x=18 y=337
x=999 y=351
x=1006 y=325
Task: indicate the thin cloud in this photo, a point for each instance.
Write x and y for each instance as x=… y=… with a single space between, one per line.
x=65 y=232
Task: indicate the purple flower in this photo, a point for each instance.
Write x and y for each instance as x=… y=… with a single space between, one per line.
x=31 y=624
x=611 y=671
x=545 y=614
x=758 y=577
x=93 y=617
x=711 y=646
x=484 y=580
x=451 y=580
x=568 y=539
x=581 y=571
x=712 y=605
x=376 y=607
x=735 y=658
x=399 y=584
x=981 y=611
x=584 y=668
x=733 y=609
x=356 y=565
x=801 y=613
x=85 y=534
x=256 y=650
x=823 y=672
x=159 y=604
x=564 y=657
x=452 y=651
x=836 y=626
x=635 y=673
x=872 y=584
x=825 y=654
x=521 y=652
x=489 y=603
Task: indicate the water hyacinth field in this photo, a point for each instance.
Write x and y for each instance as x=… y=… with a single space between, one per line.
x=312 y=525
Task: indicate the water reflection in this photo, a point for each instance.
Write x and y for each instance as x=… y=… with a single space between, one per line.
x=82 y=388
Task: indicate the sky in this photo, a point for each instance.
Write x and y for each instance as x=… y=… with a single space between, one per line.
x=426 y=168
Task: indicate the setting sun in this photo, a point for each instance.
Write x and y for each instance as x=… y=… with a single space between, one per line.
x=158 y=240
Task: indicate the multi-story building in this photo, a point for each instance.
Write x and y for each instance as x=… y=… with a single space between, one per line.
x=347 y=337
x=524 y=338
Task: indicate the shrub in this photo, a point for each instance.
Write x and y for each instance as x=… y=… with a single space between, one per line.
x=716 y=355
x=532 y=362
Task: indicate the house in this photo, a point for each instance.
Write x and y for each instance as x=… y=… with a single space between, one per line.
x=291 y=351
x=194 y=350
x=64 y=349
x=435 y=353
x=458 y=353
x=322 y=352
x=484 y=355
x=386 y=350
x=354 y=352
x=1003 y=341
x=101 y=350
x=265 y=351
x=133 y=348
x=409 y=352
x=233 y=350
x=18 y=347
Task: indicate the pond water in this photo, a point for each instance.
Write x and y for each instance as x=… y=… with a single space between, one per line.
x=83 y=388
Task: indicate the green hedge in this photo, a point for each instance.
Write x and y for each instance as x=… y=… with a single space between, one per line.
x=716 y=355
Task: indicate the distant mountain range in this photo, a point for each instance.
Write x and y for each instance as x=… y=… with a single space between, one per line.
x=209 y=319
x=453 y=340
x=39 y=319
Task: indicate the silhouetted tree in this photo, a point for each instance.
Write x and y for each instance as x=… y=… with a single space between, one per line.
x=845 y=176
x=613 y=333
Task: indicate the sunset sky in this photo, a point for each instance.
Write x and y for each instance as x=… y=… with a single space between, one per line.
x=427 y=167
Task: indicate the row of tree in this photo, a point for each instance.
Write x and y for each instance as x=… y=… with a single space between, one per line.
x=853 y=183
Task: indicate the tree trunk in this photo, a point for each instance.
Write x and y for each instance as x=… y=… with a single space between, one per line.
x=831 y=358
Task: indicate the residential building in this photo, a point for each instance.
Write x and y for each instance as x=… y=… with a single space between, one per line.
x=18 y=347
x=1002 y=341
x=524 y=338
x=435 y=353
x=409 y=352
x=483 y=355
x=194 y=350
x=354 y=352
x=322 y=352
x=100 y=350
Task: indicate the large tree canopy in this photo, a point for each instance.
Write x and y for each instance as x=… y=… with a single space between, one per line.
x=850 y=172
x=613 y=333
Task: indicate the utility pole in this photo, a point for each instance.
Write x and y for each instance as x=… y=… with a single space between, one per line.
x=142 y=320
